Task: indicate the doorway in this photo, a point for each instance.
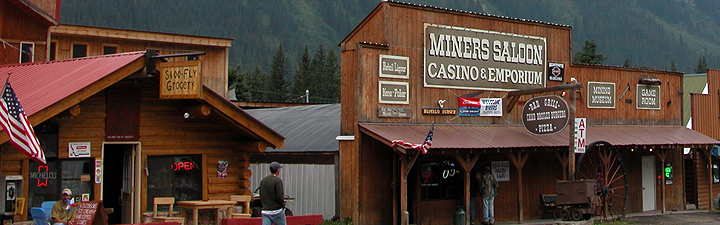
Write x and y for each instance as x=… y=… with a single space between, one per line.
x=648 y=183
x=119 y=194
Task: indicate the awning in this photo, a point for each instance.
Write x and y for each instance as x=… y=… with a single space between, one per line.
x=473 y=136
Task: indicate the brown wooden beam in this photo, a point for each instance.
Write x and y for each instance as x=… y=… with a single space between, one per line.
x=199 y=110
x=255 y=146
x=561 y=87
x=467 y=163
x=519 y=162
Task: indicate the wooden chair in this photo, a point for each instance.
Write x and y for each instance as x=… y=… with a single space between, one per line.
x=243 y=200
x=169 y=201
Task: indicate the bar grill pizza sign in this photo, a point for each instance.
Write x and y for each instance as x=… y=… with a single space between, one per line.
x=545 y=114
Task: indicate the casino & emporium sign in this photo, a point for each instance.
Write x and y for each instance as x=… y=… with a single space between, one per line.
x=545 y=114
x=466 y=58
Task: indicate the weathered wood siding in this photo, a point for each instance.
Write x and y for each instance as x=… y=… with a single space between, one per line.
x=15 y=27
x=214 y=67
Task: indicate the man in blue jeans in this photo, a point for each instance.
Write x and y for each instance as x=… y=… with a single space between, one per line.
x=488 y=192
x=272 y=197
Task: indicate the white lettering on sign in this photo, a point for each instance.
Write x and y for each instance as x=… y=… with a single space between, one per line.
x=580 y=135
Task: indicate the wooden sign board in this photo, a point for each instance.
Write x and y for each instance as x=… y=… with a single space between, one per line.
x=180 y=80
x=90 y=213
x=545 y=114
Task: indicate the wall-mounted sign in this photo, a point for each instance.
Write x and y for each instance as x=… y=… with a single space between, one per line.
x=439 y=111
x=465 y=58
x=501 y=170
x=393 y=92
x=556 y=71
x=98 y=170
x=601 y=95
x=647 y=97
x=394 y=66
x=78 y=149
x=545 y=114
x=480 y=106
x=394 y=112
x=580 y=135
x=180 y=80
x=222 y=169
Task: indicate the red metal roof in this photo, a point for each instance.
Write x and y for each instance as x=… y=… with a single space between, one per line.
x=39 y=85
x=472 y=136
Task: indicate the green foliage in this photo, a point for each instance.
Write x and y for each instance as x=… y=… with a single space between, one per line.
x=702 y=66
x=672 y=66
x=344 y=221
x=277 y=86
x=588 y=55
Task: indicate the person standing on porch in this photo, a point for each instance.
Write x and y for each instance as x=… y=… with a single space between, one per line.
x=488 y=192
x=272 y=197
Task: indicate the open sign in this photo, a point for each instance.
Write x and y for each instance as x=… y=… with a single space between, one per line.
x=183 y=166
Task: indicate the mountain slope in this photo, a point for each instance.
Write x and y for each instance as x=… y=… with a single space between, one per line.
x=648 y=33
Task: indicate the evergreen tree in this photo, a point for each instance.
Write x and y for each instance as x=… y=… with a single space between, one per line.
x=588 y=55
x=672 y=66
x=319 y=76
x=333 y=84
x=302 y=79
x=277 y=84
x=627 y=63
x=702 y=66
x=254 y=87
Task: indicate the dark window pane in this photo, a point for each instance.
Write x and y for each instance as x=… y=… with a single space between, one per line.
x=79 y=50
x=107 y=50
x=174 y=176
x=26 y=55
x=440 y=179
x=53 y=45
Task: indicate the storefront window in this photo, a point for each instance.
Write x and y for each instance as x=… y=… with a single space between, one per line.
x=440 y=179
x=46 y=182
x=174 y=176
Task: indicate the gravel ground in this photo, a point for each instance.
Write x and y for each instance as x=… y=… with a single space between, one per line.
x=678 y=218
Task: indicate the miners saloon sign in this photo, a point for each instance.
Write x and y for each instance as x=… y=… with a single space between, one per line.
x=545 y=114
x=465 y=58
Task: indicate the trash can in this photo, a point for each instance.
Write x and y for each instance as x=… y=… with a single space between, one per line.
x=459 y=216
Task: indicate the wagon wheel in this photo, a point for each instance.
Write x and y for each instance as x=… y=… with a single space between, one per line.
x=603 y=162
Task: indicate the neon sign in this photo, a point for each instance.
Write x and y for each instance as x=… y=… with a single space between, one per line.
x=183 y=166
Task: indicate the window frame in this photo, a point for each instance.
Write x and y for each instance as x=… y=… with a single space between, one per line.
x=117 y=49
x=72 y=49
x=31 y=54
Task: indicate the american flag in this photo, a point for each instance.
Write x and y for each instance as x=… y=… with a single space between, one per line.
x=17 y=126
x=424 y=147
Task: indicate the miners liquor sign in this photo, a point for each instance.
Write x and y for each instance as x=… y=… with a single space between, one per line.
x=394 y=66
x=180 y=80
x=545 y=114
x=465 y=58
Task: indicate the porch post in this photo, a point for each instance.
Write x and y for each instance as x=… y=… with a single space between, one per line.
x=519 y=162
x=467 y=163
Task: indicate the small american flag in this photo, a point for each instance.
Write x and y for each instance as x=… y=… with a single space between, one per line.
x=17 y=126
x=424 y=147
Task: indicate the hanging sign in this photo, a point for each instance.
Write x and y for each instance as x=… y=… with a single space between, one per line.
x=78 y=149
x=180 y=80
x=501 y=170
x=648 y=97
x=394 y=66
x=580 y=135
x=545 y=114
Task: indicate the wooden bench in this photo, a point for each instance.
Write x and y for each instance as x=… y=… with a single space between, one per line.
x=549 y=202
x=291 y=220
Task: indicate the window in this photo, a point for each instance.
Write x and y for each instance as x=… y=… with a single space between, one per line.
x=440 y=179
x=715 y=170
x=107 y=50
x=176 y=176
x=79 y=50
x=27 y=52
x=46 y=182
x=53 y=47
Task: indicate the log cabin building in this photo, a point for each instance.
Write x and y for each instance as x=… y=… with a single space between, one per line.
x=113 y=130
x=472 y=81
x=704 y=165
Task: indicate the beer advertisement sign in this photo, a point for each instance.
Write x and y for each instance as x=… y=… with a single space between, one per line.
x=545 y=114
x=465 y=58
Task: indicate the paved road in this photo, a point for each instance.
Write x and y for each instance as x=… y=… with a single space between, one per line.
x=685 y=218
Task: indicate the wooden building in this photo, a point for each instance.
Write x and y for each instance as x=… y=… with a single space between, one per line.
x=73 y=41
x=409 y=69
x=24 y=25
x=110 y=131
x=705 y=165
